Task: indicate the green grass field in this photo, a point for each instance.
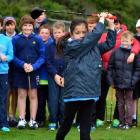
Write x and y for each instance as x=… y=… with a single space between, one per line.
x=101 y=133
x=98 y=134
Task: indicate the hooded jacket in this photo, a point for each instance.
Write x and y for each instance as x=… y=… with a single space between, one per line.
x=83 y=64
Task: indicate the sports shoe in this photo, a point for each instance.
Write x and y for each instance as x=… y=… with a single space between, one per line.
x=115 y=123
x=52 y=126
x=41 y=124
x=21 y=124
x=134 y=123
x=33 y=124
x=12 y=122
x=5 y=129
x=121 y=126
x=78 y=128
x=99 y=123
x=93 y=128
x=126 y=127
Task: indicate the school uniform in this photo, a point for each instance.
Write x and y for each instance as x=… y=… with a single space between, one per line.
x=6 y=48
x=27 y=50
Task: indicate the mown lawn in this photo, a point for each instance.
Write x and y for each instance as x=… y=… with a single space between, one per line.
x=99 y=134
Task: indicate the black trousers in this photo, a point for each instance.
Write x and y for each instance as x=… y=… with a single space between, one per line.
x=85 y=112
x=42 y=98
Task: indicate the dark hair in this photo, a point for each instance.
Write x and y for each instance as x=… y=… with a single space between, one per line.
x=77 y=22
x=118 y=19
x=9 y=23
x=60 y=44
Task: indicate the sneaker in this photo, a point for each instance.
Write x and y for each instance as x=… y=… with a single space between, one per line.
x=126 y=127
x=21 y=124
x=41 y=124
x=134 y=123
x=93 y=128
x=121 y=126
x=78 y=128
x=5 y=129
x=99 y=123
x=52 y=126
x=12 y=122
x=33 y=124
x=115 y=123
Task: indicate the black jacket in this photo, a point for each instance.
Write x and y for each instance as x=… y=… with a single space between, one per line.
x=121 y=74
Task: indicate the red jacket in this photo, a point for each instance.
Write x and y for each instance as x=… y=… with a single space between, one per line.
x=106 y=56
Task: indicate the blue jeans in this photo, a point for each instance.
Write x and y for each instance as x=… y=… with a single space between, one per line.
x=3 y=100
x=55 y=102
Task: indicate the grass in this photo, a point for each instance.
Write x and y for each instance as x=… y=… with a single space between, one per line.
x=99 y=134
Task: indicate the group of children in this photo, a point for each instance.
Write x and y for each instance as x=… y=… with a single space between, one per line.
x=72 y=71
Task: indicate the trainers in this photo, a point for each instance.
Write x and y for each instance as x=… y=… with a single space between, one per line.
x=126 y=127
x=78 y=128
x=134 y=123
x=33 y=124
x=52 y=126
x=5 y=129
x=121 y=126
x=115 y=123
x=12 y=122
x=21 y=124
x=41 y=123
x=99 y=123
x=93 y=128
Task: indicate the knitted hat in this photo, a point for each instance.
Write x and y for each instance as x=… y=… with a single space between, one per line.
x=9 y=18
x=138 y=23
x=36 y=12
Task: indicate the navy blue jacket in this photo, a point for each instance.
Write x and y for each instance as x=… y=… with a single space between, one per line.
x=121 y=74
x=55 y=65
x=83 y=64
x=28 y=50
x=43 y=74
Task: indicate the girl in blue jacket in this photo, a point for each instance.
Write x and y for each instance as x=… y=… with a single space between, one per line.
x=6 y=55
x=82 y=73
x=28 y=57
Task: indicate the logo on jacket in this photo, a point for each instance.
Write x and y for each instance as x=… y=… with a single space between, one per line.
x=34 y=42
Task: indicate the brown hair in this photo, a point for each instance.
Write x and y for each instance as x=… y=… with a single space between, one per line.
x=26 y=20
x=46 y=26
x=92 y=19
x=60 y=44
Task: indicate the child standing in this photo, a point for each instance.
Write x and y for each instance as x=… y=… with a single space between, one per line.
x=45 y=33
x=82 y=73
x=28 y=57
x=136 y=94
x=6 y=55
x=123 y=77
x=39 y=15
x=55 y=67
x=9 y=27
